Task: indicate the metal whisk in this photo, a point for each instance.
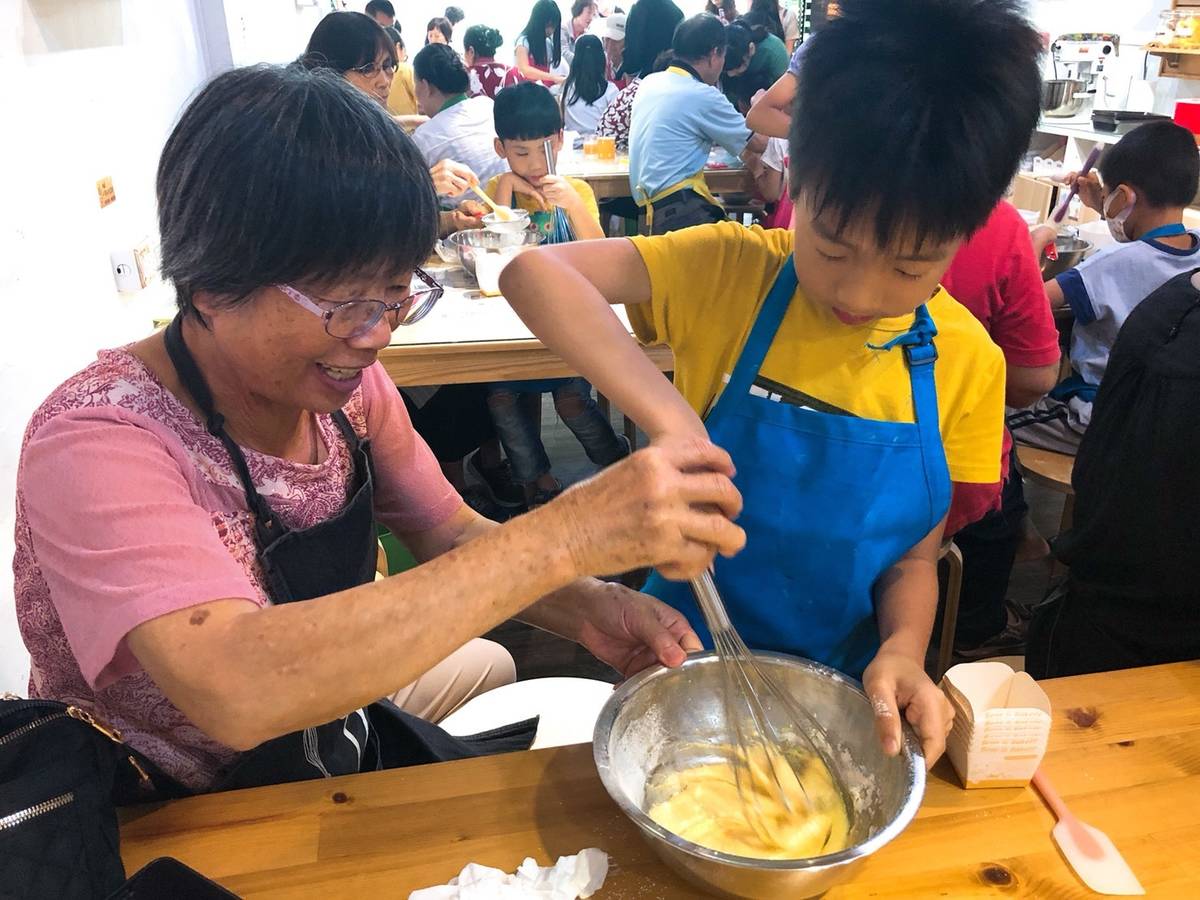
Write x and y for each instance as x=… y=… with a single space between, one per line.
x=749 y=692
x=561 y=232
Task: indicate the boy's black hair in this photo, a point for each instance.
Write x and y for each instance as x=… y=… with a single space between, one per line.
x=346 y=40
x=439 y=65
x=284 y=175
x=526 y=112
x=380 y=6
x=1158 y=160
x=483 y=39
x=545 y=14
x=900 y=117
x=442 y=24
x=697 y=37
x=587 y=80
x=454 y=14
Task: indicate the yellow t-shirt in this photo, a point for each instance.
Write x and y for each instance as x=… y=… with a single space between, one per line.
x=708 y=284
x=402 y=98
x=527 y=203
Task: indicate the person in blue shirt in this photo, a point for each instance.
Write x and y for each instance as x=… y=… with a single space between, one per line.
x=1146 y=180
x=677 y=117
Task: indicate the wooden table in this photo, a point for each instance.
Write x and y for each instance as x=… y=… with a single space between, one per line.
x=611 y=179
x=470 y=338
x=1125 y=753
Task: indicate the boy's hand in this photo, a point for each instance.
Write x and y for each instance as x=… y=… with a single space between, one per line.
x=518 y=185
x=896 y=681
x=557 y=191
x=1088 y=186
x=452 y=178
x=1042 y=236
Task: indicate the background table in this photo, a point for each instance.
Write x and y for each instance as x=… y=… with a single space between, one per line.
x=1125 y=753
x=611 y=179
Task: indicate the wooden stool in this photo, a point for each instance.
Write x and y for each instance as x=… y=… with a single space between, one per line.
x=953 y=557
x=1052 y=471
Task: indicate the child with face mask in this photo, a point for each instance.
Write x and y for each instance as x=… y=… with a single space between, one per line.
x=1146 y=180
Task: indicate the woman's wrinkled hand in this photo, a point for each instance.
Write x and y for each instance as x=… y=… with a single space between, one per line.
x=452 y=178
x=670 y=506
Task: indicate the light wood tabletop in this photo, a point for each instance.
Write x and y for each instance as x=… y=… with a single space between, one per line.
x=470 y=338
x=1124 y=753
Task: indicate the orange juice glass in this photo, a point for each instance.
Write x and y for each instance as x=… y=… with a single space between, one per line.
x=606 y=148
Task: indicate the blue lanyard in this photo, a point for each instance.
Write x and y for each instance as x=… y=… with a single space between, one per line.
x=1165 y=231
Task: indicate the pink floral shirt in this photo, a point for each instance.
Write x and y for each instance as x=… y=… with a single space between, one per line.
x=128 y=509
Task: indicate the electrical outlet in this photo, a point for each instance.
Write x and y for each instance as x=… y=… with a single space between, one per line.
x=105 y=191
x=135 y=267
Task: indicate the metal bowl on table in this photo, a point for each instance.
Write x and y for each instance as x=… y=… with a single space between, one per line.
x=1072 y=251
x=469 y=244
x=671 y=720
x=1062 y=97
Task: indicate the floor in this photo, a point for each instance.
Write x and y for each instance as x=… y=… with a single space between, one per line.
x=541 y=655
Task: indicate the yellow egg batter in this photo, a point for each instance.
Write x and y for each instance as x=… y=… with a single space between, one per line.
x=702 y=805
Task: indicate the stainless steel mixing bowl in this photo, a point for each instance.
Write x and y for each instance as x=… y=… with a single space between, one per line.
x=1062 y=97
x=671 y=719
x=1071 y=252
x=474 y=241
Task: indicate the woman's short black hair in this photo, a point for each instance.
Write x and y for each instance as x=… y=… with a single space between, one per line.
x=483 y=39
x=439 y=65
x=442 y=24
x=1158 y=160
x=526 y=112
x=901 y=120
x=347 y=40
x=545 y=14
x=697 y=37
x=587 y=80
x=579 y=6
x=280 y=175
x=648 y=30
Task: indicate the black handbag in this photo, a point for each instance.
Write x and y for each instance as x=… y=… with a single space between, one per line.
x=59 y=772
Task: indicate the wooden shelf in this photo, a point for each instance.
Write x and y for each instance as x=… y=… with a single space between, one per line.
x=1177 y=62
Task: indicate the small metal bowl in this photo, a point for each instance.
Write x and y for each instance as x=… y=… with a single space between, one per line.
x=671 y=719
x=1071 y=252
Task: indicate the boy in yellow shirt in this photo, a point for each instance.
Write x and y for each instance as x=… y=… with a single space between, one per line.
x=527 y=116
x=848 y=387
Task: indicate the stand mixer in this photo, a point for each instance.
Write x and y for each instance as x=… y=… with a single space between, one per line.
x=1079 y=73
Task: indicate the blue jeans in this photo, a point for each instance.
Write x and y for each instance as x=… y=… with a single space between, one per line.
x=516 y=408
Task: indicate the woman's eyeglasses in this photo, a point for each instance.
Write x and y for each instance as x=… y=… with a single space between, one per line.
x=370 y=70
x=348 y=319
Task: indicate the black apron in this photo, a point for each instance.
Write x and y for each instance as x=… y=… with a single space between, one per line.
x=305 y=564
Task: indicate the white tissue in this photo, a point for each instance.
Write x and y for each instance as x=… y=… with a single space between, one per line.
x=571 y=878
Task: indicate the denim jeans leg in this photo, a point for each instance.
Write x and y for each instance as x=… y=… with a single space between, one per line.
x=593 y=431
x=519 y=436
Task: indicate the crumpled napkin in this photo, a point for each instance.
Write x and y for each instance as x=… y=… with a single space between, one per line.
x=572 y=877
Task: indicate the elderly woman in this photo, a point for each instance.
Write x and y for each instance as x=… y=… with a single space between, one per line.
x=203 y=578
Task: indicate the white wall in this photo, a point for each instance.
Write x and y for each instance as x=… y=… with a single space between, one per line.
x=71 y=117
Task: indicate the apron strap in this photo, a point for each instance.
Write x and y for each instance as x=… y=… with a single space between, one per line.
x=766 y=325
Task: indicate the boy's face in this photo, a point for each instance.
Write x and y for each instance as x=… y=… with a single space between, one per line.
x=857 y=281
x=528 y=158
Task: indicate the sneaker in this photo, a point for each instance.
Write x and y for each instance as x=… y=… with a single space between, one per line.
x=1010 y=641
x=498 y=483
x=478 y=499
x=542 y=497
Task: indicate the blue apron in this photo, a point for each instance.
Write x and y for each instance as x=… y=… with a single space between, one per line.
x=831 y=502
